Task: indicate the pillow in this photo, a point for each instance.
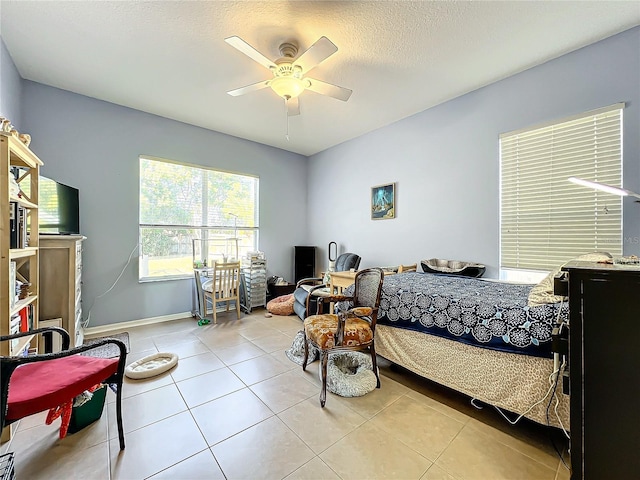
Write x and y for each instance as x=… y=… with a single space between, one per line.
x=542 y=293
x=594 y=257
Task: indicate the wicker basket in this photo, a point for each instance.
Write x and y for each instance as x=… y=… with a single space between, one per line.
x=7 y=470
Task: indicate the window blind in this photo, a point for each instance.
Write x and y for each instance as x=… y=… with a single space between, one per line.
x=545 y=220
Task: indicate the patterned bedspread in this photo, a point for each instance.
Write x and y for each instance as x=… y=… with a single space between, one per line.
x=478 y=312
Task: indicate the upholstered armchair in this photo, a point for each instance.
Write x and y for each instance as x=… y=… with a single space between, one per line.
x=305 y=303
x=351 y=329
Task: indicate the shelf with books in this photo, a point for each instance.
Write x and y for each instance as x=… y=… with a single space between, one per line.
x=20 y=304
x=21 y=321
x=20 y=345
x=19 y=242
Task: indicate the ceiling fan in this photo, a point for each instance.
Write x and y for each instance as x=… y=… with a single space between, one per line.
x=289 y=72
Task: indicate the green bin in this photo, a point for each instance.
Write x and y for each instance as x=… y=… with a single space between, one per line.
x=88 y=412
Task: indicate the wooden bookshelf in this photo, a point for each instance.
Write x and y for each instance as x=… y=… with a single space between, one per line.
x=15 y=154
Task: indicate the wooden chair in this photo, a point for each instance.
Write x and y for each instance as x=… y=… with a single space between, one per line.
x=51 y=380
x=224 y=286
x=408 y=268
x=352 y=329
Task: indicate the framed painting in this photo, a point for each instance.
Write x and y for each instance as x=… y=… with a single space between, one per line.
x=383 y=202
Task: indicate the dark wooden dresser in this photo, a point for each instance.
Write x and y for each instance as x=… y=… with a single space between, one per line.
x=604 y=370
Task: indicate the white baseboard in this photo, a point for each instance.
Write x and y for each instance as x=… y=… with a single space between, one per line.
x=90 y=331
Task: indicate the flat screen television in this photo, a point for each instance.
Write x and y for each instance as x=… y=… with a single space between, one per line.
x=58 y=208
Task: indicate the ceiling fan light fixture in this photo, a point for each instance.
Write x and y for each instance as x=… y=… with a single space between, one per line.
x=288 y=87
x=288 y=71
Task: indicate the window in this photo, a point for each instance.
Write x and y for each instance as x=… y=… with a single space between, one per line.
x=546 y=220
x=183 y=207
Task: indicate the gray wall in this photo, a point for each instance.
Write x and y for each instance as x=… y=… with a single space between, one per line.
x=445 y=161
x=94 y=146
x=10 y=88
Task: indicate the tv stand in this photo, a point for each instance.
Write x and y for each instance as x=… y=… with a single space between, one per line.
x=61 y=282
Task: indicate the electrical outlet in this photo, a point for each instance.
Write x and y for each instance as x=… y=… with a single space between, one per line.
x=566 y=384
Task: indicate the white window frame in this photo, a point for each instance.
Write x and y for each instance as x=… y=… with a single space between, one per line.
x=544 y=219
x=211 y=241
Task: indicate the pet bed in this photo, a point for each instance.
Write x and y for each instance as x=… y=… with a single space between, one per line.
x=453 y=267
x=350 y=374
x=295 y=353
x=151 y=365
x=282 y=305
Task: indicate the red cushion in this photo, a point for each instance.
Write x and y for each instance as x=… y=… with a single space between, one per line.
x=38 y=386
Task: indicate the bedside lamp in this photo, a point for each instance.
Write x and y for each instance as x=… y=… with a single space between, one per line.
x=603 y=187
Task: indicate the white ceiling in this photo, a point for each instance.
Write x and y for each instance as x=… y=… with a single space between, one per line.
x=169 y=58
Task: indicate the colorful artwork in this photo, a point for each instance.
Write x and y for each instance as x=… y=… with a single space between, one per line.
x=383 y=202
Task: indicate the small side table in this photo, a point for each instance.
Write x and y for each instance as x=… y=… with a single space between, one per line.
x=340 y=280
x=279 y=289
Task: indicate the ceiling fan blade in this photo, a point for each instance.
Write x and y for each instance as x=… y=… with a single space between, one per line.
x=316 y=54
x=249 y=88
x=249 y=51
x=293 y=107
x=328 y=89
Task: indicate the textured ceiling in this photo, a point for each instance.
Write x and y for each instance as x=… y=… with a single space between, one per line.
x=169 y=58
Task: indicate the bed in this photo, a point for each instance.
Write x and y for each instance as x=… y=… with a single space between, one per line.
x=476 y=336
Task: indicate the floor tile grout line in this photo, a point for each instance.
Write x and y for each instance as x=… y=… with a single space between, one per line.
x=109 y=440
x=561 y=467
x=174 y=464
x=316 y=455
x=240 y=431
x=302 y=440
x=197 y=374
x=195 y=406
x=410 y=447
x=396 y=438
x=209 y=447
x=188 y=409
x=311 y=460
x=511 y=446
x=445 y=449
x=149 y=424
x=159 y=346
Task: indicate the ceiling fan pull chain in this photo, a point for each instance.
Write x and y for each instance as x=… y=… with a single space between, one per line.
x=286 y=114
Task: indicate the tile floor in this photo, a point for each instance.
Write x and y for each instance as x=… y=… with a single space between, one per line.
x=236 y=407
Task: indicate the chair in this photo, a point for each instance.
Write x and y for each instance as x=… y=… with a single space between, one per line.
x=407 y=268
x=223 y=286
x=40 y=382
x=304 y=302
x=352 y=329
